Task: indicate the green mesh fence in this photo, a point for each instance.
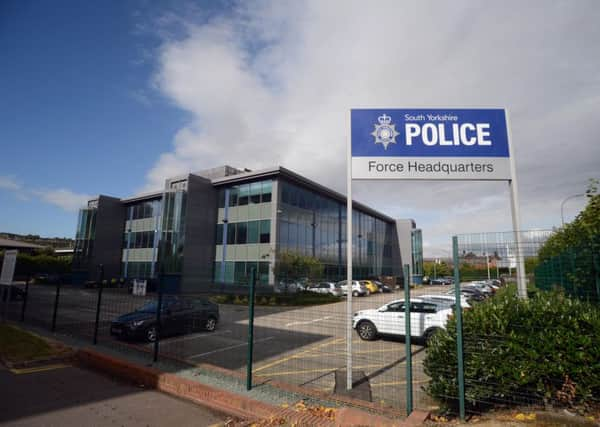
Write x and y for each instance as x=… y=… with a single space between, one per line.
x=576 y=271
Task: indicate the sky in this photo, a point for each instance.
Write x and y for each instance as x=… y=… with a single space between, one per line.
x=112 y=97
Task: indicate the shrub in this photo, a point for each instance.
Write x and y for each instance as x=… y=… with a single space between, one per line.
x=29 y=265
x=520 y=351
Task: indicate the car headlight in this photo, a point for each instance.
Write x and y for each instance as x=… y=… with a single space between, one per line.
x=136 y=323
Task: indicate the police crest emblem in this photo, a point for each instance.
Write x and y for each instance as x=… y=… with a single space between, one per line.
x=385 y=132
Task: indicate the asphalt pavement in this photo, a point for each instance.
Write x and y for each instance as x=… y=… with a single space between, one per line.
x=65 y=396
x=303 y=346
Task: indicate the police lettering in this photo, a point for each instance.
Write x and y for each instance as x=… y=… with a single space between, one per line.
x=459 y=134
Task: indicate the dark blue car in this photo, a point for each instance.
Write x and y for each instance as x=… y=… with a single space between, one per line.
x=178 y=316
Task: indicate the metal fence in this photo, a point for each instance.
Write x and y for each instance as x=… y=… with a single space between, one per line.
x=576 y=271
x=451 y=345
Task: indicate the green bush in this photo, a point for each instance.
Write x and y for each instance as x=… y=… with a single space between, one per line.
x=31 y=264
x=520 y=351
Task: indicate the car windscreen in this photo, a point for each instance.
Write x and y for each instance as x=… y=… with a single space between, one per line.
x=149 y=307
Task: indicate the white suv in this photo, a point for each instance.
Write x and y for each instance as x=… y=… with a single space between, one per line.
x=426 y=317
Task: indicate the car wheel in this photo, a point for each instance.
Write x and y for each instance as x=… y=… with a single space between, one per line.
x=355 y=294
x=366 y=330
x=428 y=335
x=211 y=324
x=151 y=334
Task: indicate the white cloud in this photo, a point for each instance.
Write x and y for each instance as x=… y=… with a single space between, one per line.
x=272 y=83
x=63 y=198
x=9 y=183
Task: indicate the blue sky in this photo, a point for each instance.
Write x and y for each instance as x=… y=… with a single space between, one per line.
x=77 y=108
x=112 y=97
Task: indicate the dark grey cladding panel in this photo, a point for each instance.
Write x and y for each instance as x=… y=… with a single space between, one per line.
x=110 y=223
x=398 y=264
x=200 y=224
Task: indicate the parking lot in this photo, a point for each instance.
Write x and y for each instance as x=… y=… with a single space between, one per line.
x=304 y=346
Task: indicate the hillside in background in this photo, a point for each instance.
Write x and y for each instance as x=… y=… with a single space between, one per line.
x=53 y=242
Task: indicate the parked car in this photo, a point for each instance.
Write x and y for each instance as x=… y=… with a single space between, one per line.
x=449 y=299
x=440 y=281
x=326 y=288
x=370 y=285
x=472 y=294
x=481 y=286
x=358 y=290
x=382 y=286
x=426 y=317
x=284 y=287
x=178 y=316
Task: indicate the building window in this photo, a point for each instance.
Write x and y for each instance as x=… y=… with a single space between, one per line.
x=243 y=194
x=231 y=234
x=266 y=191
x=265 y=231
x=240 y=236
x=253 y=231
x=219 y=238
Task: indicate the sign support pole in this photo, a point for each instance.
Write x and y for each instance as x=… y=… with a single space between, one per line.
x=349 y=267
x=516 y=218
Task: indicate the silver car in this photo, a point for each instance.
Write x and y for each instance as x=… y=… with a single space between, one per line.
x=326 y=288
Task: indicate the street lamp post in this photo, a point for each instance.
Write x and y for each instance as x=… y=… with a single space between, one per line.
x=562 y=205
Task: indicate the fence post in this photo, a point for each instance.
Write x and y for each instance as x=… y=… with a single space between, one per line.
x=158 y=328
x=408 y=349
x=55 y=306
x=98 y=304
x=250 y=330
x=24 y=305
x=459 y=331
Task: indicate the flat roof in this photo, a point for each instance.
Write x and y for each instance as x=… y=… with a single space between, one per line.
x=8 y=243
x=265 y=173
x=293 y=176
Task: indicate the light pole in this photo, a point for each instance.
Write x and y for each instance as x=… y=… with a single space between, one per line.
x=562 y=205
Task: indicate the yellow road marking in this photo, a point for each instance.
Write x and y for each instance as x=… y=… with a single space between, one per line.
x=398 y=383
x=308 y=371
x=38 y=369
x=295 y=356
x=325 y=353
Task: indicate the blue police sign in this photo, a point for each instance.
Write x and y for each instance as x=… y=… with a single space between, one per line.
x=463 y=144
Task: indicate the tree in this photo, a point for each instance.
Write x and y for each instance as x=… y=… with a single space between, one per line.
x=290 y=266
x=584 y=231
x=442 y=269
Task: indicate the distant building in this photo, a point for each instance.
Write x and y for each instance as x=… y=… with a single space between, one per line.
x=7 y=244
x=410 y=240
x=213 y=226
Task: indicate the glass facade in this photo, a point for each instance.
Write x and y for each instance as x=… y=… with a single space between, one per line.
x=250 y=231
x=142 y=231
x=417 y=254
x=173 y=226
x=314 y=225
x=84 y=238
x=243 y=233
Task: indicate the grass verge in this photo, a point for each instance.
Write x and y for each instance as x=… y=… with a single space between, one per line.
x=17 y=345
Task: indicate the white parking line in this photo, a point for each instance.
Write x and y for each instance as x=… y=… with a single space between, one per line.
x=308 y=321
x=231 y=347
x=192 y=337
